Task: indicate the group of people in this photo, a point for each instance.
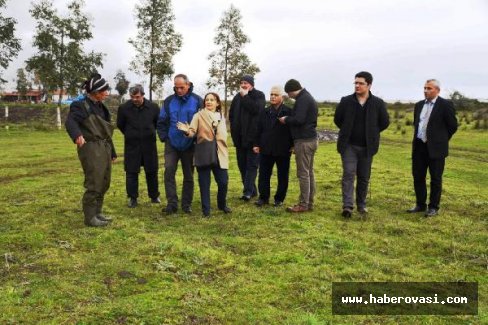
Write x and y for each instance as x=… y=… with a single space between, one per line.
x=194 y=133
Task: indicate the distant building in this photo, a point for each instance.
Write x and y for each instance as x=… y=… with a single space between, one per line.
x=32 y=96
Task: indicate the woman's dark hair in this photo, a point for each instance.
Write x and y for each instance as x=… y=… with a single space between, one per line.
x=219 y=105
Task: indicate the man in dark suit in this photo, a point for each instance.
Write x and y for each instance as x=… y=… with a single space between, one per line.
x=273 y=144
x=435 y=122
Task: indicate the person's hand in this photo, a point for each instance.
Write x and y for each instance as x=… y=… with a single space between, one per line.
x=114 y=159
x=292 y=151
x=80 y=141
x=183 y=127
x=282 y=119
x=243 y=91
x=255 y=149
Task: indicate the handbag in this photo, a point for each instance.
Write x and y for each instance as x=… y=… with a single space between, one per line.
x=205 y=154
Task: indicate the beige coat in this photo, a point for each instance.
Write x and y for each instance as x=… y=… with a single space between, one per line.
x=201 y=126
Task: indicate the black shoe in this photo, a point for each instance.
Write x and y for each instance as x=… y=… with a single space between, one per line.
x=170 y=209
x=278 y=203
x=95 y=222
x=187 y=210
x=261 y=202
x=245 y=198
x=416 y=209
x=430 y=213
x=363 y=210
x=347 y=212
x=156 y=200
x=226 y=210
x=206 y=214
x=104 y=218
x=132 y=202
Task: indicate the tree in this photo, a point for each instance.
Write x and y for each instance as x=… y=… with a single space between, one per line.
x=23 y=84
x=121 y=83
x=156 y=42
x=61 y=63
x=228 y=62
x=9 y=44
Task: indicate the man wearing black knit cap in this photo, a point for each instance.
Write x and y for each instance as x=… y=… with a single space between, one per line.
x=88 y=125
x=243 y=115
x=303 y=124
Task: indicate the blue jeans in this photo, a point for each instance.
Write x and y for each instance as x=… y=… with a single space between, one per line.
x=248 y=163
x=221 y=177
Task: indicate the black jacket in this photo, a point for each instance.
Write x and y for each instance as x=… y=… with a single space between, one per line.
x=442 y=125
x=243 y=115
x=274 y=138
x=138 y=124
x=303 y=122
x=377 y=120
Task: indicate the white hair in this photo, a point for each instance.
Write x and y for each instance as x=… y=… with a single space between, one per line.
x=436 y=83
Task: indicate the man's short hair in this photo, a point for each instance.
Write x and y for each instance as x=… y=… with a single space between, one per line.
x=436 y=83
x=136 y=89
x=366 y=75
x=182 y=76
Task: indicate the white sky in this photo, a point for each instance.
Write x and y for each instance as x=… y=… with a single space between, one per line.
x=321 y=43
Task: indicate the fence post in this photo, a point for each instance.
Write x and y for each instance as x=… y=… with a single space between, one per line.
x=6 y=117
x=58 y=117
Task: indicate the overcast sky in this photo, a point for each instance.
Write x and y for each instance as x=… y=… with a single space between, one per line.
x=320 y=43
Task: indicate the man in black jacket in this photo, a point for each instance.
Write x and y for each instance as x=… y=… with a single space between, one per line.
x=360 y=117
x=274 y=145
x=303 y=124
x=137 y=119
x=435 y=122
x=243 y=115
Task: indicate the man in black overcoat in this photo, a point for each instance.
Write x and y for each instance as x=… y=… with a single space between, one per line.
x=137 y=119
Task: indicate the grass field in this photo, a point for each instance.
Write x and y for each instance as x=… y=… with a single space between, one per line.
x=255 y=266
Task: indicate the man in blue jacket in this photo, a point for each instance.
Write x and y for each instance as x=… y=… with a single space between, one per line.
x=179 y=107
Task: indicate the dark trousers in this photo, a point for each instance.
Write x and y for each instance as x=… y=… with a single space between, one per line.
x=420 y=163
x=248 y=163
x=266 y=163
x=221 y=177
x=355 y=164
x=171 y=158
x=132 y=184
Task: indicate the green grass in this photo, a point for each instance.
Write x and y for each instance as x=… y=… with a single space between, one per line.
x=254 y=266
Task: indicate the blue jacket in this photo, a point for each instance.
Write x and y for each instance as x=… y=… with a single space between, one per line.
x=178 y=109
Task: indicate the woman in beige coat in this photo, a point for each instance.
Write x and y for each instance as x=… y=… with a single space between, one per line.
x=209 y=124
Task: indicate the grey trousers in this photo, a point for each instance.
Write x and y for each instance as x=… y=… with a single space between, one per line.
x=304 y=155
x=355 y=164
x=171 y=158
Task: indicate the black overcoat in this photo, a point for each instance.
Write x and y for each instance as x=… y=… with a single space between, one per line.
x=138 y=124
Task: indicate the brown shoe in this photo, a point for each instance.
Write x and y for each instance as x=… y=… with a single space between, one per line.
x=297 y=208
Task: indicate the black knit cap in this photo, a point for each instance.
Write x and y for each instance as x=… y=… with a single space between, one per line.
x=292 y=85
x=248 y=78
x=95 y=84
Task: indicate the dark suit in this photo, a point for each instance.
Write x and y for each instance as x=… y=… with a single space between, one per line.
x=442 y=124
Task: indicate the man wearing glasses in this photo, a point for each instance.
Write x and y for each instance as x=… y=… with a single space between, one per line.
x=360 y=117
x=137 y=119
x=179 y=107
